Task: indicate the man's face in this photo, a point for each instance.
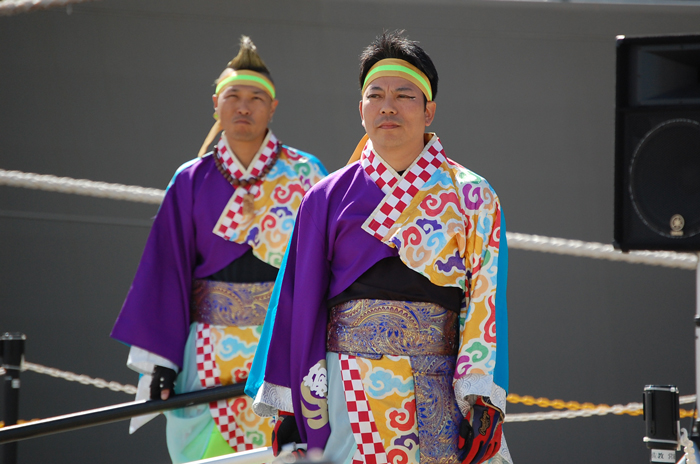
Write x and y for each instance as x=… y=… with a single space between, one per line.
x=394 y=114
x=244 y=112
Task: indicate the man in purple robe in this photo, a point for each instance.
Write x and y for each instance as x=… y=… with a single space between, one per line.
x=193 y=314
x=384 y=346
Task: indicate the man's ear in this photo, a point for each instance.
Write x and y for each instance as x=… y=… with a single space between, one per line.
x=273 y=107
x=215 y=100
x=429 y=113
x=362 y=118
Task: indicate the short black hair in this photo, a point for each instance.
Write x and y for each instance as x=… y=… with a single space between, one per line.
x=396 y=45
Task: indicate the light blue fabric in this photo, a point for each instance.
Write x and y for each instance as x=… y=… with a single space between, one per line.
x=257 y=370
x=500 y=375
x=341 y=445
x=188 y=430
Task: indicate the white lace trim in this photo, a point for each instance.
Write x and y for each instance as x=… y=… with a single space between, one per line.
x=272 y=398
x=481 y=385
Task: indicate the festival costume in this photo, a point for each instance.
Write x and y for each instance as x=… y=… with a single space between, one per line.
x=176 y=316
x=380 y=380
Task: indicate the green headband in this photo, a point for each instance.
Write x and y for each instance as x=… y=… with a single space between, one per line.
x=399 y=68
x=246 y=77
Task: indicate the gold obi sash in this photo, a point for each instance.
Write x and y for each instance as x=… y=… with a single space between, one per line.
x=230 y=304
x=372 y=328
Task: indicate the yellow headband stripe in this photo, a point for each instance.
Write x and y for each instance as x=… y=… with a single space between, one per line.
x=244 y=77
x=399 y=68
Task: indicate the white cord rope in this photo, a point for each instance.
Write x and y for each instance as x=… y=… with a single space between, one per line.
x=72 y=377
x=688 y=447
x=81 y=187
x=515 y=240
x=596 y=250
x=11 y=7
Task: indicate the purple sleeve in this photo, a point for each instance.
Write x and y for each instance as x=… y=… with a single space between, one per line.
x=155 y=315
x=299 y=335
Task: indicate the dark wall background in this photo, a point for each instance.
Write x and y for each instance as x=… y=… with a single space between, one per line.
x=119 y=91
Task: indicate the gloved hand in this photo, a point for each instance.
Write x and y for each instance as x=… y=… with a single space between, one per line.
x=162 y=383
x=480 y=433
x=286 y=431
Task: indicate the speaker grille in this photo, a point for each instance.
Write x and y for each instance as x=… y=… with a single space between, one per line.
x=665 y=179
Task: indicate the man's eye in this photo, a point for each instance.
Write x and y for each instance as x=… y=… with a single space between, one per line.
x=410 y=97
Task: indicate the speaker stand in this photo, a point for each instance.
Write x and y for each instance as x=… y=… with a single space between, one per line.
x=695 y=430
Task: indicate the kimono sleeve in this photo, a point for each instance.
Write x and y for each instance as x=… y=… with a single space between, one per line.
x=482 y=362
x=155 y=315
x=295 y=371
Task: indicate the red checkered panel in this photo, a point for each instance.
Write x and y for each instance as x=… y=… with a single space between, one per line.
x=210 y=376
x=377 y=170
x=400 y=193
x=370 y=449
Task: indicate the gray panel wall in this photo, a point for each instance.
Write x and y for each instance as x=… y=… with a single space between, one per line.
x=119 y=91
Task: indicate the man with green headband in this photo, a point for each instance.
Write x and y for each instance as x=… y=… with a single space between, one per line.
x=389 y=342
x=193 y=314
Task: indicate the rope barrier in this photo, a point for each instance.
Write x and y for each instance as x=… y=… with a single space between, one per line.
x=12 y=7
x=596 y=250
x=73 y=377
x=575 y=409
x=515 y=240
x=81 y=187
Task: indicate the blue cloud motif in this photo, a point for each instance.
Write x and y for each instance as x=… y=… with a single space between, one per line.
x=281 y=169
x=441 y=177
x=491 y=363
x=231 y=346
x=483 y=226
x=287 y=224
x=281 y=211
x=252 y=238
x=384 y=383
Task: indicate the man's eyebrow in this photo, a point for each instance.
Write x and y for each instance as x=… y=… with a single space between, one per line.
x=404 y=89
x=375 y=87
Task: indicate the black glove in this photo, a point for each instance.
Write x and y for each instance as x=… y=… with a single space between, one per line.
x=163 y=379
x=285 y=431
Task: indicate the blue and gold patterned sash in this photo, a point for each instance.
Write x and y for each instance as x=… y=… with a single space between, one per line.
x=230 y=304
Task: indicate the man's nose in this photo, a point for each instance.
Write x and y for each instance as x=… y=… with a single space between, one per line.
x=388 y=107
x=243 y=108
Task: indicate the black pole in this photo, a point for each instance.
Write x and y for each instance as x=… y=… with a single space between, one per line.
x=11 y=351
x=115 y=413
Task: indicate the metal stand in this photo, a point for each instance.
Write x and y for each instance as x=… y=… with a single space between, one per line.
x=695 y=430
x=12 y=352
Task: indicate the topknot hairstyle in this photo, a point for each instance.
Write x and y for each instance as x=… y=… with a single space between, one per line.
x=396 y=45
x=248 y=58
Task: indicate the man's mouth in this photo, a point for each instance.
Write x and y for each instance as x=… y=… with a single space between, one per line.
x=388 y=125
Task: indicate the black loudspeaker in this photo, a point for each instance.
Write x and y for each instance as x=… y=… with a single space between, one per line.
x=657 y=143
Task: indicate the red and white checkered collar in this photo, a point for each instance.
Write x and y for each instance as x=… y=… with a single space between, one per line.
x=263 y=157
x=399 y=190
